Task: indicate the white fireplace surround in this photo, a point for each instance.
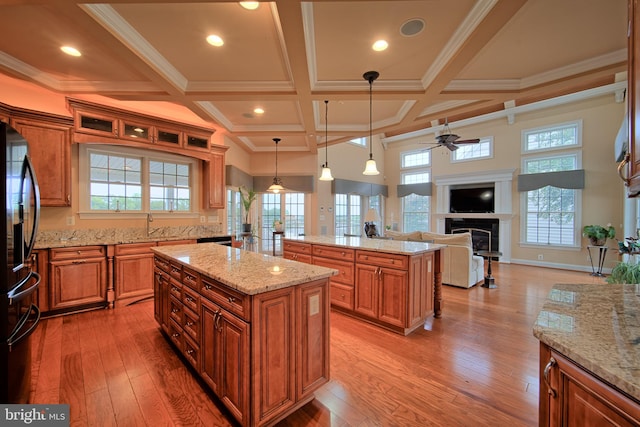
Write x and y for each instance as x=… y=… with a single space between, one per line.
x=503 y=182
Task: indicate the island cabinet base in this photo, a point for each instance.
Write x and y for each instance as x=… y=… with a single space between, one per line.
x=572 y=396
x=262 y=355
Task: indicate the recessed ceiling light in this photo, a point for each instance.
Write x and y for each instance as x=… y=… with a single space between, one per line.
x=215 y=40
x=380 y=45
x=412 y=27
x=70 y=51
x=258 y=110
x=250 y=5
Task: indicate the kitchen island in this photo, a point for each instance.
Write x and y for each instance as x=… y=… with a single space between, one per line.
x=590 y=355
x=393 y=284
x=254 y=327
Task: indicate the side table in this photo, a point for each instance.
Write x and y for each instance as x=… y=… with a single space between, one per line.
x=489 y=281
x=277 y=233
x=602 y=253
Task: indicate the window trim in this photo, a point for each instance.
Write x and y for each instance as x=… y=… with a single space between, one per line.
x=84 y=210
x=410 y=169
x=525 y=132
x=487 y=139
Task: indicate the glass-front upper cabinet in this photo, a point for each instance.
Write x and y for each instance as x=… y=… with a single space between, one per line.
x=96 y=124
x=138 y=132
x=197 y=141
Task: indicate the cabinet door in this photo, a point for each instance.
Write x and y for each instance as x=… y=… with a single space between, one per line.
x=214 y=180
x=78 y=282
x=158 y=279
x=50 y=151
x=134 y=275
x=366 y=290
x=209 y=345
x=233 y=388
x=392 y=296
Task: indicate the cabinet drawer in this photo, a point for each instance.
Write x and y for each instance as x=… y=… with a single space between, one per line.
x=191 y=352
x=175 y=270
x=134 y=248
x=345 y=269
x=297 y=257
x=342 y=296
x=233 y=301
x=175 y=310
x=61 y=254
x=298 y=247
x=175 y=289
x=162 y=264
x=191 y=279
x=176 y=334
x=191 y=324
x=333 y=252
x=191 y=299
x=383 y=259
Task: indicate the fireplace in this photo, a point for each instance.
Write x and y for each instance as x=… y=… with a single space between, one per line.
x=480 y=239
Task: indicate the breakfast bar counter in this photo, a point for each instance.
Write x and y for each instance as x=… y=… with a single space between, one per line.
x=254 y=327
x=590 y=354
x=394 y=284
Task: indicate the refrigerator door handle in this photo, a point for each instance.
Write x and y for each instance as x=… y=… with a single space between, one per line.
x=14 y=295
x=14 y=338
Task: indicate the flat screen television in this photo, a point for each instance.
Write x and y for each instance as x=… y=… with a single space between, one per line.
x=472 y=199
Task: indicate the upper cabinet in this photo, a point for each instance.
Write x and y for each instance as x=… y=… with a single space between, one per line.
x=633 y=98
x=98 y=123
x=49 y=139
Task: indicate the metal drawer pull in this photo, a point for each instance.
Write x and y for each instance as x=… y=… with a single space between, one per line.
x=231 y=299
x=79 y=261
x=175 y=335
x=208 y=287
x=545 y=376
x=190 y=352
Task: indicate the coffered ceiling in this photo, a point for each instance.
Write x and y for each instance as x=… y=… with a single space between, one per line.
x=472 y=57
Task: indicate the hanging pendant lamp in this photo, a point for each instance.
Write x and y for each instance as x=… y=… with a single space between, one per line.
x=326 y=172
x=370 y=166
x=276 y=187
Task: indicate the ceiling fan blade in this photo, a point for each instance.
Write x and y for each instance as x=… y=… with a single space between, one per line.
x=451 y=146
x=467 y=141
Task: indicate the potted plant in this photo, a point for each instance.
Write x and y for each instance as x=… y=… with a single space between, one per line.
x=625 y=272
x=248 y=196
x=278 y=225
x=598 y=234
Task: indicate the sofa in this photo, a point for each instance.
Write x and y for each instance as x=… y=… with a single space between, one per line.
x=461 y=267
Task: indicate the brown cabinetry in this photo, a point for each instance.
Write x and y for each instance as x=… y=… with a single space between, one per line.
x=49 y=140
x=297 y=251
x=214 y=179
x=77 y=277
x=262 y=355
x=342 y=284
x=572 y=396
x=133 y=271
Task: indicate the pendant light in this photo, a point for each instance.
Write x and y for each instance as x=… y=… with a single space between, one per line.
x=276 y=187
x=326 y=172
x=370 y=167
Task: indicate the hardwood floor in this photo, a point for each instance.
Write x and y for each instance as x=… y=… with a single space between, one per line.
x=477 y=365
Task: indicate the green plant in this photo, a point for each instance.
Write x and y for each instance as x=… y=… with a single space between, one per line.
x=599 y=232
x=625 y=272
x=248 y=196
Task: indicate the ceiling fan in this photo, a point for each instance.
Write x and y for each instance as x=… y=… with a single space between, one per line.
x=449 y=139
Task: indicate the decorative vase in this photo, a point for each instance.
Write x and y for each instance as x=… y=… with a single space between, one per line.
x=279 y=227
x=246 y=228
x=597 y=242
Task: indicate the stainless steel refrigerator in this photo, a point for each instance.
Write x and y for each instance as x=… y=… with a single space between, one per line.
x=19 y=313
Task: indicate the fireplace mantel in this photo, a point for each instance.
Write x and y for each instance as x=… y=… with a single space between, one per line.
x=503 y=182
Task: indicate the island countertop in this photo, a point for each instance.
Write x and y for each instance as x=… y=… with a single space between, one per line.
x=598 y=327
x=248 y=272
x=377 y=245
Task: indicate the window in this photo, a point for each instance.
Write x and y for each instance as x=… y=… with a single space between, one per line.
x=119 y=179
x=273 y=207
x=362 y=142
x=348 y=214
x=415 y=208
x=550 y=213
x=481 y=150
x=234 y=212
x=561 y=136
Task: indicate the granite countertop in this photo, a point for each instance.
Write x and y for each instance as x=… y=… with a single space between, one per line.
x=249 y=272
x=112 y=236
x=598 y=327
x=377 y=245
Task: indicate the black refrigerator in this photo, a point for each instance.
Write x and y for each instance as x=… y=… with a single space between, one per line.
x=19 y=313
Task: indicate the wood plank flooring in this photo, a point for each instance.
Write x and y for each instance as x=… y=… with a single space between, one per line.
x=476 y=366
